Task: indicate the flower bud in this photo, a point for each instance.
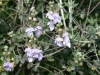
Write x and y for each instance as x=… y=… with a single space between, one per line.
x=59 y=30
x=4 y=53
x=12 y=59
x=30 y=40
x=5 y=47
x=51 y=5
x=32 y=14
x=68 y=69
x=79 y=59
x=81 y=64
x=34 y=39
x=76 y=61
x=93 y=68
x=9 y=52
x=34 y=19
x=57 y=25
x=1 y=3
x=30 y=18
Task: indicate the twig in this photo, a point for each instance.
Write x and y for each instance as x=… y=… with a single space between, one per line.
x=92 y=65
x=62 y=13
x=94 y=8
x=46 y=69
x=79 y=6
x=32 y=6
x=51 y=49
x=95 y=52
x=54 y=68
x=53 y=53
x=87 y=13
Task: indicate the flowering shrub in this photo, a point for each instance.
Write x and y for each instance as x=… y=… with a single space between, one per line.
x=55 y=37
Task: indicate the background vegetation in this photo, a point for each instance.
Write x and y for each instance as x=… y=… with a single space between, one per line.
x=80 y=18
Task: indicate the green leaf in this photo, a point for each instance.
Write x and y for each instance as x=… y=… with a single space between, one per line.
x=4 y=73
x=99 y=52
x=29 y=65
x=81 y=72
x=50 y=59
x=82 y=15
x=11 y=48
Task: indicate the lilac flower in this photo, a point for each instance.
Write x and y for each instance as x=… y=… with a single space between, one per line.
x=57 y=18
x=29 y=31
x=29 y=54
x=38 y=30
x=8 y=66
x=54 y=18
x=37 y=54
x=51 y=25
x=66 y=40
x=59 y=41
x=33 y=54
x=50 y=15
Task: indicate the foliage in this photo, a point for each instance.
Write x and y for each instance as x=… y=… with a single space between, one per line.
x=65 y=32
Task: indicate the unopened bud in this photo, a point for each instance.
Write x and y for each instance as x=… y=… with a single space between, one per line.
x=76 y=61
x=79 y=59
x=60 y=30
x=12 y=59
x=0 y=3
x=34 y=19
x=30 y=18
x=4 y=53
x=9 y=52
x=6 y=47
x=68 y=70
x=81 y=64
x=30 y=40
x=34 y=39
x=32 y=14
x=93 y=68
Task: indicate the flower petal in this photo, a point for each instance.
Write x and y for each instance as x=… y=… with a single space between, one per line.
x=38 y=33
x=40 y=57
x=30 y=59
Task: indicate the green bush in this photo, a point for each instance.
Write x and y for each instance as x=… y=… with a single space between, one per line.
x=55 y=37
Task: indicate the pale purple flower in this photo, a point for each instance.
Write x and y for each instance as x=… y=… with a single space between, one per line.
x=38 y=30
x=29 y=31
x=8 y=66
x=66 y=40
x=59 y=41
x=57 y=18
x=37 y=54
x=50 y=15
x=51 y=25
x=34 y=54
x=29 y=54
x=54 y=18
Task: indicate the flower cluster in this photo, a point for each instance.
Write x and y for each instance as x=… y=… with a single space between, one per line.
x=65 y=41
x=32 y=54
x=37 y=30
x=54 y=18
x=8 y=66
